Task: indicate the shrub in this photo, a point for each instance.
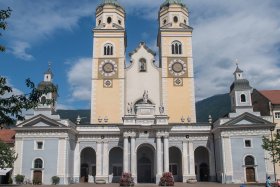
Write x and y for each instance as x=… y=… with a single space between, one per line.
x=19 y=179
x=55 y=180
x=166 y=179
x=126 y=180
x=10 y=180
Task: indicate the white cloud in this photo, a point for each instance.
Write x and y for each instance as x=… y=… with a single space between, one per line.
x=79 y=78
x=19 y=50
x=35 y=21
x=249 y=31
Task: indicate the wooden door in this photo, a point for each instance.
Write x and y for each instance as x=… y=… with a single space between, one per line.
x=250 y=174
x=37 y=176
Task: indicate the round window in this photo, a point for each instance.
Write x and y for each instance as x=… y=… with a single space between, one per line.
x=109 y=20
x=120 y=22
x=175 y=19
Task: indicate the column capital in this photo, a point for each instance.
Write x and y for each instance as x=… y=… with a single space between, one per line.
x=160 y=134
x=127 y=134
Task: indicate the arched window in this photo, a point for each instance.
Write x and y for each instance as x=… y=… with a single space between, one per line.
x=243 y=98
x=108 y=49
x=249 y=161
x=176 y=47
x=38 y=163
x=142 y=65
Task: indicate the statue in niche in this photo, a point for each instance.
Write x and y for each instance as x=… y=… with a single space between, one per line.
x=143 y=65
x=145 y=97
x=161 y=109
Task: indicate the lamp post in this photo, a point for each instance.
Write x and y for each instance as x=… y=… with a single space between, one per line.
x=271 y=130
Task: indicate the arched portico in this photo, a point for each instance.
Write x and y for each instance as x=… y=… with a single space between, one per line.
x=145 y=164
x=202 y=171
x=88 y=165
x=175 y=163
x=115 y=164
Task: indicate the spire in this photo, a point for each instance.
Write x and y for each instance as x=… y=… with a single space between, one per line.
x=48 y=75
x=238 y=73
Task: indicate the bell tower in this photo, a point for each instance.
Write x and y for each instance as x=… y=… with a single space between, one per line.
x=176 y=61
x=109 y=45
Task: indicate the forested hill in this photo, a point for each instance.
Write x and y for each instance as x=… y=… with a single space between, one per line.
x=217 y=106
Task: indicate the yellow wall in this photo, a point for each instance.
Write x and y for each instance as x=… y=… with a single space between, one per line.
x=179 y=100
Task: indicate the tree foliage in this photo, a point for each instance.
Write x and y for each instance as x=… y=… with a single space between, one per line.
x=11 y=105
x=272 y=145
x=7 y=156
x=4 y=14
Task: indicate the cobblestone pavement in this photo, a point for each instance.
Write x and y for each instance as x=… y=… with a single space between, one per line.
x=199 y=184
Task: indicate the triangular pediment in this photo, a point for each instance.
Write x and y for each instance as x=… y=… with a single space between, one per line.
x=143 y=44
x=40 y=121
x=246 y=119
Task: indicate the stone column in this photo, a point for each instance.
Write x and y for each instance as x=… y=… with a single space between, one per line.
x=166 y=154
x=105 y=161
x=125 y=154
x=77 y=163
x=191 y=159
x=159 y=159
x=98 y=160
x=133 y=157
x=185 y=161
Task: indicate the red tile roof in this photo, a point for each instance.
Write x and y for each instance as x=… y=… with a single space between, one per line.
x=272 y=95
x=7 y=135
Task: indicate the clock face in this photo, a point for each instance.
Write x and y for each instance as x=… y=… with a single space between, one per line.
x=108 y=68
x=177 y=67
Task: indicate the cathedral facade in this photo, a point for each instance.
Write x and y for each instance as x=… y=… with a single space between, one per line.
x=143 y=118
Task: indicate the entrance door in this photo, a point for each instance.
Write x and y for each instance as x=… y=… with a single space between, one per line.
x=37 y=176
x=250 y=174
x=204 y=172
x=145 y=164
x=84 y=173
x=144 y=172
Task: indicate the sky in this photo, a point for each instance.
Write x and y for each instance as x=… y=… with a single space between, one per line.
x=60 y=32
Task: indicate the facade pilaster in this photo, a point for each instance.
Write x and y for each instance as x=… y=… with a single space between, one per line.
x=105 y=167
x=133 y=157
x=166 y=154
x=185 y=161
x=77 y=162
x=159 y=158
x=99 y=160
x=125 y=154
x=191 y=160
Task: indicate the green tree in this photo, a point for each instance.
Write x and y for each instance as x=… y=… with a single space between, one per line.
x=4 y=14
x=272 y=145
x=7 y=156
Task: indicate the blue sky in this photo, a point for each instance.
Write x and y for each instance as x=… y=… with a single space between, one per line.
x=60 y=32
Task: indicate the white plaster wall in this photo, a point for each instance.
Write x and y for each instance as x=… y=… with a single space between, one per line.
x=136 y=82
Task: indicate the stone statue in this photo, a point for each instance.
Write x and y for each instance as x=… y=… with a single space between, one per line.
x=129 y=108
x=145 y=97
x=161 y=109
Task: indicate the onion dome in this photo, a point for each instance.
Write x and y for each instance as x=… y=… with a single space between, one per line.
x=167 y=3
x=110 y=2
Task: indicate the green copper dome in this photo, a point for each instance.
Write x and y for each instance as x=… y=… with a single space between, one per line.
x=170 y=2
x=110 y=2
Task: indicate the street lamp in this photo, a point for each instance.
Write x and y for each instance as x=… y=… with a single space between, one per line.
x=271 y=130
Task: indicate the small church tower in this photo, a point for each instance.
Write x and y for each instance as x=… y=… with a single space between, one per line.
x=109 y=45
x=176 y=61
x=47 y=84
x=240 y=93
